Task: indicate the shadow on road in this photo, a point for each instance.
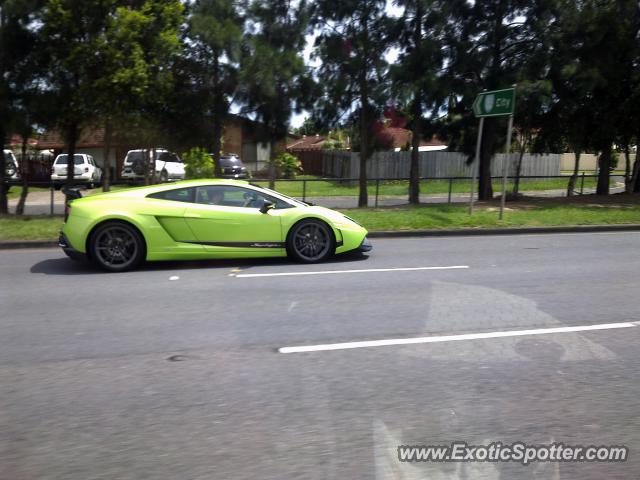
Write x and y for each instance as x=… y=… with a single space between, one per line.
x=66 y=266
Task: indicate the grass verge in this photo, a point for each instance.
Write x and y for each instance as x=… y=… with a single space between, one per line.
x=520 y=214
x=29 y=228
x=525 y=215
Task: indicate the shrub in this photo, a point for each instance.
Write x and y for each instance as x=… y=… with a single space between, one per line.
x=287 y=166
x=198 y=164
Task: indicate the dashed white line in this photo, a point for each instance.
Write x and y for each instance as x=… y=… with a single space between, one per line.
x=454 y=338
x=334 y=272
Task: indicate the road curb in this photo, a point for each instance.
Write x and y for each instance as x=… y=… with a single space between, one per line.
x=462 y=232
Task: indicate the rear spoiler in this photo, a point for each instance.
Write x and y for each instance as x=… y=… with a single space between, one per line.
x=72 y=192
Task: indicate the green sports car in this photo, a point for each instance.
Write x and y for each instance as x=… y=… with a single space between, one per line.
x=202 y=219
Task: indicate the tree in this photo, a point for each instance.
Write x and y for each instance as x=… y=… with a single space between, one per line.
x=215 y=41
x=417 y=73
x=135 y=49
x=353 y=39
x=17 y=46
x=274 y=80
x=489 y=42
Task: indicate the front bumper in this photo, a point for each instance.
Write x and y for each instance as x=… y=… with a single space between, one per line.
x=69 y=250
x=365 y=246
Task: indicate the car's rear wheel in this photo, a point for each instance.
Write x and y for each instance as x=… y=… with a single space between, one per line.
x=311 y=241
x=116 y=246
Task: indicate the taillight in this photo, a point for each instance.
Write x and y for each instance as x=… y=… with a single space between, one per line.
x=86 y=169
x=53 y=170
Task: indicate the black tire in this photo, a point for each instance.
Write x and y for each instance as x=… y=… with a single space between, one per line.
x=164 y=176
x=311 y=241
x=116 y=246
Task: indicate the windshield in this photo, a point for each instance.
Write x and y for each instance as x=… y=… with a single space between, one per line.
x=62 y=159
x=230 y=162
x=291 y=200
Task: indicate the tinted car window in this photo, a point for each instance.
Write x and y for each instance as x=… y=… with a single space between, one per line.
x=134 y=156
x=230 y=161
x=176 y=195
x=229 y=196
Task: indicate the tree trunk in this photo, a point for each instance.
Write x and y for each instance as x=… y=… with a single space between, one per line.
x=604 y=166
x=571 y=186
x=363 y=197
x=635 y=177
x=627 y=169
x=272 y=168
x=485 y=190
x=24 y=167
x=414 y=170
x=106 y=172
x=4 y=205
x=516 y=186
x=72 y=138
x=217 y=115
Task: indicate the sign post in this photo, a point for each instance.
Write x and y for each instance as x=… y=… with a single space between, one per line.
x=495 y=103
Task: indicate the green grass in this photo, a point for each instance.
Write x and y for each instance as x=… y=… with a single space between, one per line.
x=407 y=218
x=334 y=188
x=454 y=216
x=29 y=228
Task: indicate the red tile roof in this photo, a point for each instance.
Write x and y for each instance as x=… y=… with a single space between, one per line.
x=89 y=138
x=310 y=142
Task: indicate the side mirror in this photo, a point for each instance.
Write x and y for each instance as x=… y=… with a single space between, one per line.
x=266 y=206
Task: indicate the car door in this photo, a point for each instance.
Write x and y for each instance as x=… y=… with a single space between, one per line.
x=228 y=218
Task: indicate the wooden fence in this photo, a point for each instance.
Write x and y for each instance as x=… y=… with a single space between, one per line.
x=432 y=164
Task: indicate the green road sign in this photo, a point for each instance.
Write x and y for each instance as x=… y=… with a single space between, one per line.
x=496 y=103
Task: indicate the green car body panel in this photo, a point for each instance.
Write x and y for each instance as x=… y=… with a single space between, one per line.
x=174 y=230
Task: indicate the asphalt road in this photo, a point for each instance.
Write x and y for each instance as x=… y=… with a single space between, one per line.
x=173 y=371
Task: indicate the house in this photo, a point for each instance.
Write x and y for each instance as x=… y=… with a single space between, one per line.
x=306 y=143
x=241 y=136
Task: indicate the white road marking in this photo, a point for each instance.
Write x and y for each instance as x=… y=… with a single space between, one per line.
x=174 y=277
x=292 y=306
x=453 y=338
x=333 y=272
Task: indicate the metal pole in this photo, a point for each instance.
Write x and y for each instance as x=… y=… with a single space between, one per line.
x=475 y=165
x=304 y=190
x=52 y=189
x=450 y=187
x=377 y=190
x=505 y=169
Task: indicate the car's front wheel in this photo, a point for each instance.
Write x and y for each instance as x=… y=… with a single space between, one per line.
x=116 y=246
x=311 y=241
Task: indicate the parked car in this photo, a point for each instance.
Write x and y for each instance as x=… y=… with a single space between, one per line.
x=232 y=167
x=85 y=169
x=168 y=166
x=10 y=165
x=202 y=219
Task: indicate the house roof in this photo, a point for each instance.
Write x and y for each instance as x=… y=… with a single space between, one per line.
x=89 y=138
x=307 y=142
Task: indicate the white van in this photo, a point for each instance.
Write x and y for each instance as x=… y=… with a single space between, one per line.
x=85 y=169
